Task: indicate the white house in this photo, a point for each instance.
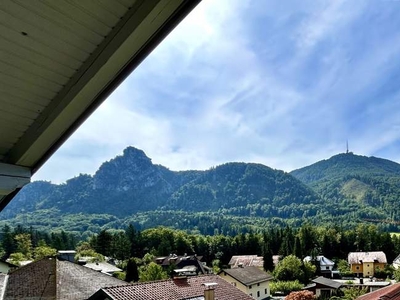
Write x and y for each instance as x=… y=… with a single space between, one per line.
x=251 y=280
x=396 y=262
x=325 y=264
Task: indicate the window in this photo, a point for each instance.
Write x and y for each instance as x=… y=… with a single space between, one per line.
x=249 y=287
x=367 y=265
x=251 y=295
x=258 y=284
x=326 y=268
x=258 y=294
x=357 y=268
x=266 y=291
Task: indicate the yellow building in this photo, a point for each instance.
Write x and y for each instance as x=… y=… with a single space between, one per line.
x=365 y=263
x=250 y=280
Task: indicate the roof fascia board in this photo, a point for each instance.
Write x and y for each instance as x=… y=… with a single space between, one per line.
x=4 y=200
x=13 y=178
x=99 y=76
x=24 y=152
x=9 y=184
x=14 y=171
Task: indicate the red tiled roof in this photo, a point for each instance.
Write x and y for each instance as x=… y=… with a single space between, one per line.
x=176 y=289
x=391 y=292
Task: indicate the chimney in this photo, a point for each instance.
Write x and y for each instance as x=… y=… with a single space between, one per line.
x=209 y=293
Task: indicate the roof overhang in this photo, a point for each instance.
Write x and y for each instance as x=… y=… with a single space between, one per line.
x=59 y=61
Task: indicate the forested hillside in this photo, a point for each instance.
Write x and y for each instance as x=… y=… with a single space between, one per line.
x=231 y=198
x=368 y=185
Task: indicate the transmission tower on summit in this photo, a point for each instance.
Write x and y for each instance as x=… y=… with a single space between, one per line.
x=347 y=146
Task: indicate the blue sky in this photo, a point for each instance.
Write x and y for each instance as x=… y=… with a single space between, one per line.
x=283 y=83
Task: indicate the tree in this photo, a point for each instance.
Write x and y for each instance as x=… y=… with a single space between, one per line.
x=132 y=273
x=93 y=255
x=344 y=268
x=16 y=258
x=309 y=271
x=289 y=269
x=285 y=287
x=216 y=266
x=268 y=260
x=297 y=247
x=135 y=239
x=83 y=246
x=8 y=242
x=396 y=274
x=24 y=244
x=42 y=251
x=352 y=293
x=301 y=295
x=103 y=243
x=267 y=253
x=152 y=272
x=120 y=246
x=148 y=258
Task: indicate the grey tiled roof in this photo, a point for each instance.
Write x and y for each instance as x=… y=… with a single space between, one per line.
x=78 y=282
x=327 y=282
x=103 y=267
x=52 y=279
x=248 y=275
x=33 y=281
x=323 y=261
x=186 y=288
x=246 y=261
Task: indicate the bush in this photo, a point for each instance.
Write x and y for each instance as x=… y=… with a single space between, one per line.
x=285 y=286
x=119 y=275
x=384 y=273
x=302 y=295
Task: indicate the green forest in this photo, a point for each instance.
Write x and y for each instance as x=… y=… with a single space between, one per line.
x=233 y=198
x=332 y=242
x=135 y=250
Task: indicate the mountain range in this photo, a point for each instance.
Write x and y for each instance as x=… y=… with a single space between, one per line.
x=342 y=190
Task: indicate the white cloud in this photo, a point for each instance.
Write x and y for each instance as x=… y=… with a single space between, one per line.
x=211 y=94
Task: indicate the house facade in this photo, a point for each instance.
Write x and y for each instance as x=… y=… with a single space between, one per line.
x=365 y=263
x=250 y=280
